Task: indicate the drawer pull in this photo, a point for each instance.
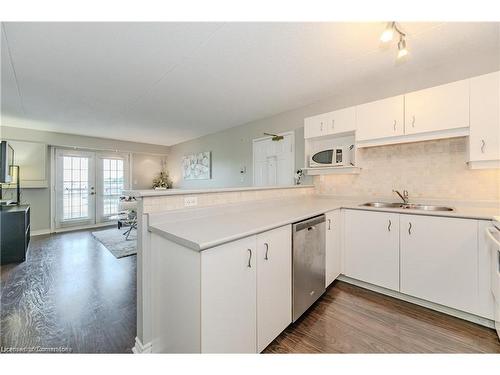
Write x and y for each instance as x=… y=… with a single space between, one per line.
x=409 y=228
x=389 y=226
x=267 y=251
x=249 y=258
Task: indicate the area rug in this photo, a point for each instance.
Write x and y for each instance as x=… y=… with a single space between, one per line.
x=114 y=240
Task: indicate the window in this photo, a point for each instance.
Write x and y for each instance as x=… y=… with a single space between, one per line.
x=113 y=184
x=75 y=187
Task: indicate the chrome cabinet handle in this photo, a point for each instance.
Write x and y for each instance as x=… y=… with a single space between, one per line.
x=249 y=258
x=413 y=121
x=329 y=224
x=321 y=126
x=333 y=124
x=483 y=143
x=394 y=125
x=409 y=229
x=267 y=251
x=389 y=226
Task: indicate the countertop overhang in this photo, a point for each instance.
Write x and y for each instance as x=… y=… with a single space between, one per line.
x=158 y=193
x=203 y=228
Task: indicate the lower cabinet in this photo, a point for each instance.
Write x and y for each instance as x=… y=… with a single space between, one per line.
x=333 y=246
x=246 y=296
x=372 y=247
x=228 y=298
x=439 y=260
x=274 y=284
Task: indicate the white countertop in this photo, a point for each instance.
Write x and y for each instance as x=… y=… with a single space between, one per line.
x=156 y=193
x=203 y=228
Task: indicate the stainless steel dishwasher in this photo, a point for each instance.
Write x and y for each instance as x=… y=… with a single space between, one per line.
x=308 y=239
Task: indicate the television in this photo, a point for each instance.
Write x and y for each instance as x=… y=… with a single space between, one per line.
x=6 y=161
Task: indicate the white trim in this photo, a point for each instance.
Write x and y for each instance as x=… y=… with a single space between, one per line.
x=429 y=136
x=483 y=164
x=40 y=232
x=140 y=348
x=52 y=185
x=417 y=301
x=290 y=133
x=80 y=227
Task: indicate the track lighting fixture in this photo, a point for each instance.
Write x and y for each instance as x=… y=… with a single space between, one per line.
x=388 y=35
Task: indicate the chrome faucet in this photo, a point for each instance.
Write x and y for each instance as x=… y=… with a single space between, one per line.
x=403 y=196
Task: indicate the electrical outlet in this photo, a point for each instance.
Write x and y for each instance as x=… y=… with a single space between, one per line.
x=190 y=201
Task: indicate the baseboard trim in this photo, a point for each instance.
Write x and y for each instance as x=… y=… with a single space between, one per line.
x=417 y=301
x=80 y=227
x=39 y=232
x=140 y=348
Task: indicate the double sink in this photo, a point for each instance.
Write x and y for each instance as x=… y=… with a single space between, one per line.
x=408 y=206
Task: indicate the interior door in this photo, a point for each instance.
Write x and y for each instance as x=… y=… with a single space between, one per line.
x=112 y=178
x=274 y=161
x=75 y=188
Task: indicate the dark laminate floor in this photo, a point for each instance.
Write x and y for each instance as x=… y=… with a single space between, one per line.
x=348 y=319
x=70 y=292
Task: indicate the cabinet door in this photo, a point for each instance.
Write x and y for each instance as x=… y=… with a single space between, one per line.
x=438 y=108
x=380 y=119
x=315 y=126
x=274 y=284
x=439 y=260
x=486 y=303
x=332 y=256
x=371 y=245
x=485 y=117
x=228 y=298
x=341 y=121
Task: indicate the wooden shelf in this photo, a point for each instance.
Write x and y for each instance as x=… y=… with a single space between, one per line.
x=331 y=170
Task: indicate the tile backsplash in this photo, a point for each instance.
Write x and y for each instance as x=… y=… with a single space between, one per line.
x=432 y=169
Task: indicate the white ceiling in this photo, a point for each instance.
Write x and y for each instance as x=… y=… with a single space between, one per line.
x=165 y=83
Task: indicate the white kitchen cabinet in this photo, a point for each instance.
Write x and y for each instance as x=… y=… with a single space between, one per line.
x=333 y=246
x=341 y=121
x=380 y=119
x=335 y=122
x=228 y=298
x=439 y=108
x=484 y=140
x=486 y=303
x=274 y=284
x=315 y=126
x=439 y=260
x=371 y=247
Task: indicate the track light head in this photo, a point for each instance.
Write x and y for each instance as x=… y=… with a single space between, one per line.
x=388 y=33
x=402 y=50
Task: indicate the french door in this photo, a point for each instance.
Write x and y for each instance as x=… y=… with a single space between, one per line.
x=88 y=186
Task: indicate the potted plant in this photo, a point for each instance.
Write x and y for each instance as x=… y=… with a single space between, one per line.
x=162 y=181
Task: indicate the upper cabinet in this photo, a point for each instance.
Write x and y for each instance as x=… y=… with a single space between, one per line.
x=439 y=108
x=336 y=122
x=484 y=141
x=380 y=119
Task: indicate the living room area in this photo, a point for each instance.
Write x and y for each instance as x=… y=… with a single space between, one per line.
x=68 y=279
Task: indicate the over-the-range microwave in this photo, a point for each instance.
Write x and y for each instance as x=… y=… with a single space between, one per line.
x=332 y=157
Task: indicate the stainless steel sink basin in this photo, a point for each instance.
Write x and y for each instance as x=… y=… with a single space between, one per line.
x=427 y=207
x=383 y=205
x=408 y=206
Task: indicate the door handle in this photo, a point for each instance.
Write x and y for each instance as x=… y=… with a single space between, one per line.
x=333 y=124
x=483 y=143
x=394 y=125
x=267 y=251
x=389 y=226
x=409 y=228
x=249 y=258
x=329 y=224
x=413 y=121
